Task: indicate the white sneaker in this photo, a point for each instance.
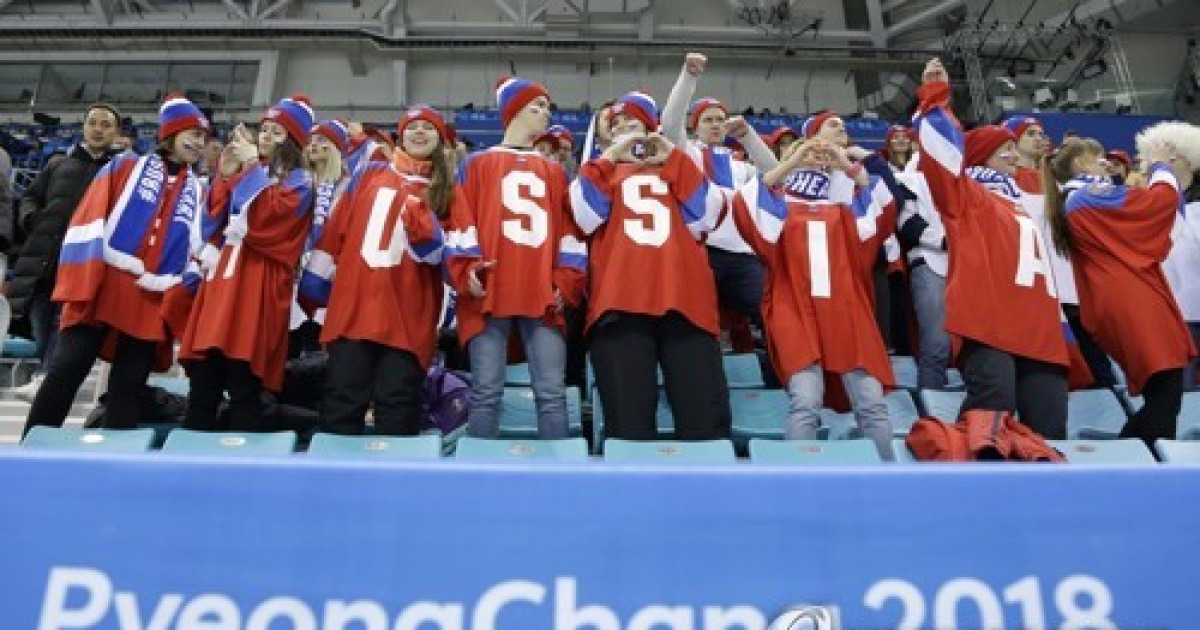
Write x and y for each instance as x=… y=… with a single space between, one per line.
x=27 y=391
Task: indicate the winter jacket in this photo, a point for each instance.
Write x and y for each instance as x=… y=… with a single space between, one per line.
x=46 y=211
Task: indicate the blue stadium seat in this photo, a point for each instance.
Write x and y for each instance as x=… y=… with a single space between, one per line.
x=186 y=441
x=665 y=452
x=102 y=440
x=518 y=413
x=902 y=411
x=743 y=371
x=1173 y=452
x=1094 y=414
x=903 y=455
x=1189 y=417
x=954 y=380
x=517 y=375
x=758 y=413
x=905 y=370
x=663 y=417
x=19 y=348
x=1103 y=452
x=570 y=449
x=838 y=426
x=375 y=447
x=177 y=385
x=943 y=405
x=814 y=452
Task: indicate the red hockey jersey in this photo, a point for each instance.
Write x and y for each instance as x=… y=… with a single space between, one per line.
x=644 y=225
x=1121 y=236
x=999 y=284
x=817 y=305
x=243 y=304
x=377 y=264
x=129 y=243
x=511 y=206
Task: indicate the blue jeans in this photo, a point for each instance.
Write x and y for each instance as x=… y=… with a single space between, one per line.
x=547 y=353
x=43 y=321
x=929 y=301
x=806 y=393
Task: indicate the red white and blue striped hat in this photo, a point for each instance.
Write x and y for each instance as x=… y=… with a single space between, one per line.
x=638 y=105
x=1018 y=124
x=428 y=114
x=697 y=109
x=336 y=132
x=514 y=93
x=295 y=115
x=177 y=114
x=813 y=123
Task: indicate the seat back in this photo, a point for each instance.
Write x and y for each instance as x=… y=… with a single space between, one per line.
x=1173 y=452
x=669 y=452
x=743 y=371
x=567 y=450
x=814 y=452
x=518 y=413
x=1094 y=414
x=422 y=447
x=943 y=405
x=1104 y=452
x=100 y=440
x=234 y=443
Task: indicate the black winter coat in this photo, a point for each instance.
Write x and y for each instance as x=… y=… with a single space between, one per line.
x=46 y=211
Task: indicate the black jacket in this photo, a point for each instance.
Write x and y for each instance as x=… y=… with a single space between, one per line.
x=46 y=211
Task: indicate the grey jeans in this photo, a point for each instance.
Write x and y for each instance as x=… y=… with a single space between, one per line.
x=806 y=391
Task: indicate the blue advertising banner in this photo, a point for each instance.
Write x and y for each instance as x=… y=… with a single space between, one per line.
x=166 y=543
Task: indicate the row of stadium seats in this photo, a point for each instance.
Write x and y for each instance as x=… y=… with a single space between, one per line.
x=429 y=447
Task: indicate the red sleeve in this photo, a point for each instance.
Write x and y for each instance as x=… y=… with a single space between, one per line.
x=279 y=215
x=419 y=221
x=940 y=138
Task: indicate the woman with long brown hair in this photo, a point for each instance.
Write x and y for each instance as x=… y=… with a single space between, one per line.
x=1117 y=238
x=377 y=267
x=236 y=338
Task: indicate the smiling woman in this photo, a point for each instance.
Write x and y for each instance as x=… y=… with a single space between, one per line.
x=126 y=254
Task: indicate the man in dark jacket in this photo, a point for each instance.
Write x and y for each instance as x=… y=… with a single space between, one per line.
x=46 y=211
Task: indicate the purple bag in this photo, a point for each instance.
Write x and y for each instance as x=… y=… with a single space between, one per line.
x=445 y=400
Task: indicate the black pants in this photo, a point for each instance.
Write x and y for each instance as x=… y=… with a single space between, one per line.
x=999 y=381
x=362 y=372
x=78 y=347
x=1157 y=418
x=627 y=348
x=901 y=298
x=210 y=378
x=576 y=369
x=1093 y=354
x=740 y=282
x=305 y=339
